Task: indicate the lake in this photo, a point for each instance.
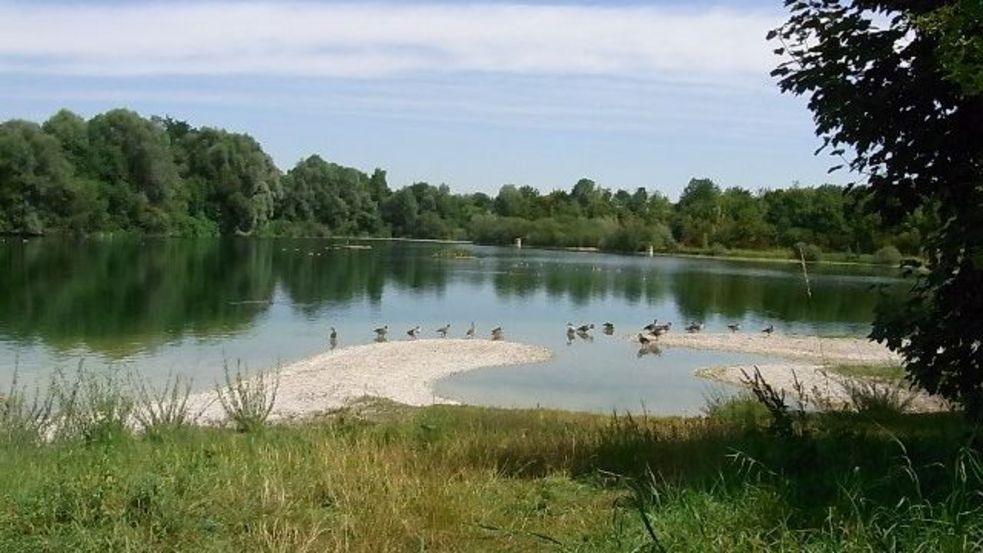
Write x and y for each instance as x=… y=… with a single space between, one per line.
x=158 y=306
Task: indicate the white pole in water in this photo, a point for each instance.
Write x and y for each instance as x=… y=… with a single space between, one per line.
x=651 y=250
x=518 y=243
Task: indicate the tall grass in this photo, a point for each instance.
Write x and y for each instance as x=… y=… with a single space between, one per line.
x=248 y=401
x=24 y=417
x=469 y=479
x=91 y=406
x=164 y=408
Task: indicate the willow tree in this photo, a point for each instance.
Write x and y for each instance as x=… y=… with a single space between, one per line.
x=894 y=89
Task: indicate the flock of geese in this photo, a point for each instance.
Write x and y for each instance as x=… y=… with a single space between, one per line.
x=382 y=333
x=647 y=337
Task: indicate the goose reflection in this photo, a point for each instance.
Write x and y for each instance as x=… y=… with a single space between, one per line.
x=649 y=349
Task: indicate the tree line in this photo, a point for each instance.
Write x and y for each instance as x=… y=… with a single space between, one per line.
x=119 y=172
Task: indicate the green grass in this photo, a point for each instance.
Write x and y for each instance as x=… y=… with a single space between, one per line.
x=890 y=373
x=381 y=477
x=782 y=255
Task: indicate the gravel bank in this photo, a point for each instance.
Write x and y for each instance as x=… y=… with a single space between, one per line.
x=401 y=371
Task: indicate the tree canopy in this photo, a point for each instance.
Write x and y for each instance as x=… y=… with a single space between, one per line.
x=894 y=87
x=120 y=172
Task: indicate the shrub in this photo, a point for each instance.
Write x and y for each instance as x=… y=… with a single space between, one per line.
x=247 y=402
x=93 y=407
x=23 y=419
x=877 y=399
x=162 y=409
x=718 y=249
x=888 y=255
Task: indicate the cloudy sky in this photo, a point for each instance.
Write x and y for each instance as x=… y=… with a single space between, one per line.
x=471 y=94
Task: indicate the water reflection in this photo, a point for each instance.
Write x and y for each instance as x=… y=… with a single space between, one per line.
x=121 y=296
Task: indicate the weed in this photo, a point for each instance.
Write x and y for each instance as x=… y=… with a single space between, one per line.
x=248 y=402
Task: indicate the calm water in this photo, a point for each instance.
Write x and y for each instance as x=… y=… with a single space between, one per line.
x=185 y=306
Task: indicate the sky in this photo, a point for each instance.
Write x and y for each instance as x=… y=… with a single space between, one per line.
x=474 y=95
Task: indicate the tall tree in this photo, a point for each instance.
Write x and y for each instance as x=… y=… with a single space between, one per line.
x=132 y=158
x=887 y=97
x=35 y=179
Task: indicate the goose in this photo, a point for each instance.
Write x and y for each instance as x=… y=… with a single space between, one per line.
x=608 y=328
x=643 y=339
x=497 y=333
x=585 y=328
x=333 y=335
x=413 y=331
x=694 y=327
x=734 y=327
x=470 y=333
x=769 y=329
x=381 y=331
x=662 y=329
x=650 y=327
x=570 y=328
x=443 y=330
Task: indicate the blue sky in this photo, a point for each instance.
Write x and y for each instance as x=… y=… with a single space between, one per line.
x=472 y=95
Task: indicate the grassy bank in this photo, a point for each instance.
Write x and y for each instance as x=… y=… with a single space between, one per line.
x=380 y=477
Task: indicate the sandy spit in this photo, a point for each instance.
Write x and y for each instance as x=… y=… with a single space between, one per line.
x=819 y=387
x=807 y=355
x=402 y=371
x=790 y=346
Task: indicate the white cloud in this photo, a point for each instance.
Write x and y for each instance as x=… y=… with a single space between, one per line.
x=267 y=38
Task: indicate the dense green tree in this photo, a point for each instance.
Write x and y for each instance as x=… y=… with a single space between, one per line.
x=340 y=198
x=131 y=157
x=401 y=211
x=72 y=132
x=120 y=172
x=35 y=180
x=698 y=213
x=233 y=181
x=900 y=95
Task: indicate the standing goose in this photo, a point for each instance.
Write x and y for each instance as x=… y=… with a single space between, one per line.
x=584 y=329
x=734 y=327
x=769 y=329
x=470 y=333
x=645 y=340
x=651 y=326
x=333 y=338
x=444 y=330
x=497 y=333
x=608 y=328
x=381 y=331
x=571 y=330
x=694 y=327
x=413 y=332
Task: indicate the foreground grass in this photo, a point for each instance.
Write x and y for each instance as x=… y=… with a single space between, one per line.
x=387 y=478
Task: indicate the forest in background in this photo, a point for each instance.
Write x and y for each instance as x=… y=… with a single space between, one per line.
x=119 y=172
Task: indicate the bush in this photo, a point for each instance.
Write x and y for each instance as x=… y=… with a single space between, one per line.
x=718 y=249
x=877 y=399
x=888 y=255
x=247 y=402
x=809 y=252
x=93 y=407
x=162 y=409
x=23 y=419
